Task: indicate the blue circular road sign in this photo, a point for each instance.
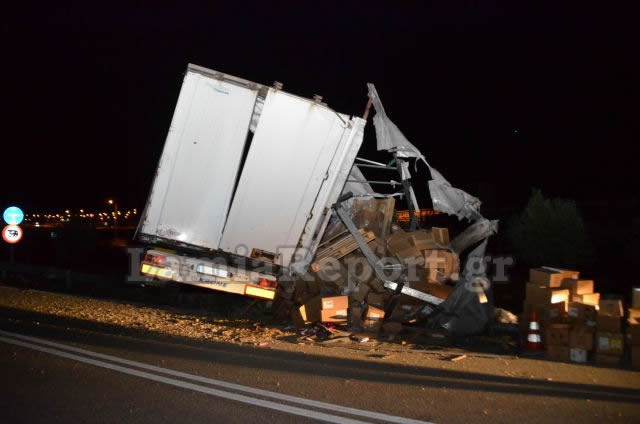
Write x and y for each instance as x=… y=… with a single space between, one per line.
x=13 y=215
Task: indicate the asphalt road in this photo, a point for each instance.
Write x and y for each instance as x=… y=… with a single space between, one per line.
x=54 y=373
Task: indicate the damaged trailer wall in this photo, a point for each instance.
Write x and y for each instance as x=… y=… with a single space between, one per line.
x=194 y=183
x=288 y=161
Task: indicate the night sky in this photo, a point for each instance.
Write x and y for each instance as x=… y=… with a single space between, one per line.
x=500 y=98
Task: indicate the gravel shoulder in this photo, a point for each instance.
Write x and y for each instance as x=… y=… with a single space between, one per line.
x=183 y=325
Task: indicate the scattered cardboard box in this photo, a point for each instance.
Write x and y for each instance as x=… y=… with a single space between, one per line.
x=582 y=313
x=373 y=318
x=440 y=235
x=578 y=286
x=604 y=359
x=634 y=312
x=537 y=294
x=589 y=299
x=335 y=302
x=557 y=335
x=546 y=313
x=377 y=299
x=546 y=277
x=333 y=315
x=612 y=308
x=578 y=355
x=633 y=331
x=609 y=343
x=608 y=323
x=581 y=337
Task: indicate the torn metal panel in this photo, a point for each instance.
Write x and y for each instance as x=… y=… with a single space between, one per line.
x=388 y=135
x=481 y=229
x=451 y=200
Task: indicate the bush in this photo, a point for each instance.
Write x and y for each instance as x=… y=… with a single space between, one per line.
x=550 y=232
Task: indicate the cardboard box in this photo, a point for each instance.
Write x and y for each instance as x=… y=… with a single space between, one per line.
x=546 y=277
x=557 y=335
x=581 y=337
x=423 y=240
x=360 y=293
x=633 y=331
x=603 y=359
x=335 y=302
x=578 y=286
x=333 y=315
x=558 y=352
x=537 y=294
x=373 y=318
x=440 y=235
x=588 y=299
x=634 y=312
x=546 y=313
x=635 y=357
x=310 y=311
x=607 y=323
x=581 y=313
x=355 y=317
x=440 y=264
x=612 y=308
x=578 y=355
x=609 y=343
x=439 y=290
x=635 y=297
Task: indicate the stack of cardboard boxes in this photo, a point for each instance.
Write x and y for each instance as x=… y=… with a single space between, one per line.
x=609 y=337
x=566 y=309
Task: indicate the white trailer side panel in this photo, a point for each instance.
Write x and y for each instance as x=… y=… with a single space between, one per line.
x=288 y=161
x=195 y=179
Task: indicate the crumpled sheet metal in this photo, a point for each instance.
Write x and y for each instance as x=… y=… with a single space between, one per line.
x=481 y=229
x=451 y=200
x=388 y=135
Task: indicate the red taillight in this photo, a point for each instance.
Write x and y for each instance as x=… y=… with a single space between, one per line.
x=156 y=259
x=263 y=282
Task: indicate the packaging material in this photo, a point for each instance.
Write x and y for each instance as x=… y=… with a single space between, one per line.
x=557 y=335
x=611 y=308
x=333 y=315
x=423 y=239
x=633 y=313
x=604 y=359
x=560 y=353
x=335 y=302
x=633 y=331
x=635 y=357
x=635 y=297
x=566 y=273
x=578 y=286
x=581 y=337
x=544 y=295
x=310 y=311
x=581 y=313
x=440 y=264
x=578 y=355
x=546 y=277
x=609 y=343
x=440 y=235
x=373 y=318
x=546 y=313
x=608 y=323
x=589 y=299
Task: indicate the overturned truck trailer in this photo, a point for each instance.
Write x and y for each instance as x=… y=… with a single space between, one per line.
x=244 y=186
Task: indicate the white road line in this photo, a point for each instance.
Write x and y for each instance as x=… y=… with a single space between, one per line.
x=224 y=384
x=178 y=383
